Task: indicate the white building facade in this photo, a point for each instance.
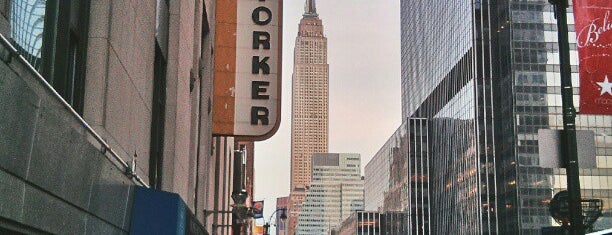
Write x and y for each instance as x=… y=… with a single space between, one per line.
x=336 y=191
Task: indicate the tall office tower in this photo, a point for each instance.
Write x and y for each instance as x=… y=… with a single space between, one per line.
x=486 y=78
x=336 y=191
x=310 y=109
x=527 y=65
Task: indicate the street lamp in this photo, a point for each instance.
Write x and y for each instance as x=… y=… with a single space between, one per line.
x=283 y=217
x=240 y=212
x=559 y=210
x=239 y=193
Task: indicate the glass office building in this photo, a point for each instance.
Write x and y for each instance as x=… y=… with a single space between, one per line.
x=485 y=75
x=360 y=223
x=529 y=99
x=373 y=223
x=444 y=81
x=397 y=179
x=377 y=178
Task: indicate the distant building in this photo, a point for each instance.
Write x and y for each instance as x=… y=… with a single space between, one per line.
x=360 y=223
x=336 y=191
x=310 y=109
x=281 y=226
x=373 y=223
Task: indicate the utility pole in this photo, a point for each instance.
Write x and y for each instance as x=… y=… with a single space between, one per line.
x=569 y=148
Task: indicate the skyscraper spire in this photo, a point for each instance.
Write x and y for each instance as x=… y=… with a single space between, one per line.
x=310 y=9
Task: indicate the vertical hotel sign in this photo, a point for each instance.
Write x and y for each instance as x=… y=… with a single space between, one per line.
x=247 y=68
x=593 y=23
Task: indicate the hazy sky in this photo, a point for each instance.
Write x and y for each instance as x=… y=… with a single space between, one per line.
x=364 y=60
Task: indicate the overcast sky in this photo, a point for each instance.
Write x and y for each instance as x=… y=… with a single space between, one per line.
x=364 y=60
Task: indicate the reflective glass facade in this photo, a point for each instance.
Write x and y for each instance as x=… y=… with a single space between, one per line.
x=435 y=36
x=374 y=223
x=396 y=197
x=360 y=223
x=445 y=81
x=386 y=175
x=529 y=99
x=397 y=178
x=377 y=178
x=418 y=176
x=485 y=74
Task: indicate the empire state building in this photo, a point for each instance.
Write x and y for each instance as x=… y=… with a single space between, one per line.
x=310 y=105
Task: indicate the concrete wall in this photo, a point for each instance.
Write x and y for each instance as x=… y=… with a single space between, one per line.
x=119 y=80
x=178 y=104
x=206 y=161
x=220 y=186
x=4 y=16
x=118 y=105
x=53 y=176
x=119 y=87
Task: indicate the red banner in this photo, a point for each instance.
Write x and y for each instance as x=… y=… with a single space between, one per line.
x=593 y=21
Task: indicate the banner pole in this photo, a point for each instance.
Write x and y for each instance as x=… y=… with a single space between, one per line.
x=569 y=149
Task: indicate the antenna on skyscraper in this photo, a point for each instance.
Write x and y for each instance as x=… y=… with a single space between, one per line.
x=310 y=8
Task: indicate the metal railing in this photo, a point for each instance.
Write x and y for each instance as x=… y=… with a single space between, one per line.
x=603 y=232
x=105 y=147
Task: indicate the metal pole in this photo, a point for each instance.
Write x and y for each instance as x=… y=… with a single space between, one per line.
x=237 y=191
x=569 y=149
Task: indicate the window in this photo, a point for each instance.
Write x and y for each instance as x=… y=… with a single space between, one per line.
x=157 y=119
x=27 y=19
x=159 y=96
x=52 y=36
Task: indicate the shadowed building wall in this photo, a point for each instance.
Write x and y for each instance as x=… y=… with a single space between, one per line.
x=137 y=72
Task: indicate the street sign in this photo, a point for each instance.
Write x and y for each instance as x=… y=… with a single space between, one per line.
x=258 y=207
x=549 y=146
x=247 y=69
